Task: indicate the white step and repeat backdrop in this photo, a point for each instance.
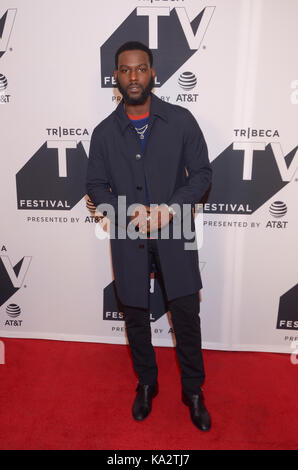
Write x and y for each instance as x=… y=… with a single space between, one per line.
x=233 y=64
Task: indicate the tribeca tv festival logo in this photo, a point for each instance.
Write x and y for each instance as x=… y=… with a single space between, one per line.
x=288 y=310
x=113 y=309
x=249 y=173
x=12 y=279
x=6 y=24
x=54 y=177
x=169 y=33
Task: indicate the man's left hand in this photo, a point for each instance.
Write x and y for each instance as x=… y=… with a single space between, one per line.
x=158 y=217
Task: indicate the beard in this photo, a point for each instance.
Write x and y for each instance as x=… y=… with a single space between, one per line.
x=142 y=98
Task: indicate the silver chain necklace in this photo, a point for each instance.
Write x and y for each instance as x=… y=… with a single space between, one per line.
x=141 y=131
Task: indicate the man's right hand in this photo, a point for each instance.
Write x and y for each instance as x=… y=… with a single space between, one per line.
x=139 y=217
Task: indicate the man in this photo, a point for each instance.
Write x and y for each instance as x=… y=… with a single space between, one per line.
x=153 y=154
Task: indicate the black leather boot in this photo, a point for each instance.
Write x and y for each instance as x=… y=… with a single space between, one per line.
x=143 y=401
x=198 y=412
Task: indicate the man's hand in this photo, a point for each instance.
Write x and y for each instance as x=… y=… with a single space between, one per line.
x=140 y=216
x=99 y=217
x=154 y=219
x=90 y=206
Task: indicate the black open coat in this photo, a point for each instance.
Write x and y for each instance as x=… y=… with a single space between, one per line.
x=117 y=166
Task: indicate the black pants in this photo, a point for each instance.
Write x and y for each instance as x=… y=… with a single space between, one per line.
x=186 y=323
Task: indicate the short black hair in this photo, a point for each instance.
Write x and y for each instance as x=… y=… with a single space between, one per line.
x=133 y=46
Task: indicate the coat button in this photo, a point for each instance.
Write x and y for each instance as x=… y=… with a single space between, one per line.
x=140 y=188
x=138 y=156
x=141 y=246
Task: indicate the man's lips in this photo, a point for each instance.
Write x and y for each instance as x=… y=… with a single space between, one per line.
x=134 y=88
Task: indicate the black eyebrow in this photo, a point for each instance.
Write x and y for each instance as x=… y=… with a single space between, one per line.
x=128 y=66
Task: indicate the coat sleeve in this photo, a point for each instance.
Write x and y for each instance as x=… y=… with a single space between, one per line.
x=197 y=164
x=98 y=185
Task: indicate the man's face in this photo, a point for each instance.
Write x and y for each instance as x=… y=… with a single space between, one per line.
x=134 y=77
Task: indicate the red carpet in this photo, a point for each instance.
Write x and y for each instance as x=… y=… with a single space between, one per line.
x=63 y=395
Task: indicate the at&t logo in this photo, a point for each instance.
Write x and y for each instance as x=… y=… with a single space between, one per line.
x=277 y=209
x=13 y=311
x=4 y=98
x=3 y=83
x=187 y=81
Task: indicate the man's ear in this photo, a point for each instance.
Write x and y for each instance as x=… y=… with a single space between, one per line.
x=153 y=72
x=115 y=74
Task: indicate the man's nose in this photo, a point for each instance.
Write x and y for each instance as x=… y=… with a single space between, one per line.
x=133 y=75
